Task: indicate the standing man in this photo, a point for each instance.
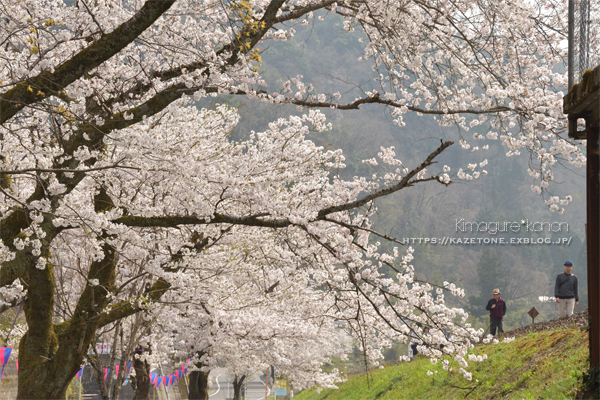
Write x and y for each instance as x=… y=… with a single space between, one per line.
x=497 y=308
x=566 y=291
x=414 y=342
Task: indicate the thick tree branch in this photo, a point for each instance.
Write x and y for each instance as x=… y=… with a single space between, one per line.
x=378 y=100
x=303 y=10
x=258 y=221
x=40 y=87
x=249 y=36
x=125 y=308
x=171 y=221
x=60 y=170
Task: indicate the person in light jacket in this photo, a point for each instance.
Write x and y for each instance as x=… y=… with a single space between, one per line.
x=566 y=291
x=497 y=308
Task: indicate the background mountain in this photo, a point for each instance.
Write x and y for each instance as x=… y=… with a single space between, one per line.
x=328 y=58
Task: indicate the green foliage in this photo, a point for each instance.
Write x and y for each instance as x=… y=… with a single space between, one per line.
x=72 y=391
x=545 y=365
x=393 y=353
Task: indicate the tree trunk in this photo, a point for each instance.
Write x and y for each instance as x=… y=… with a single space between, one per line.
x=198 y=385
x=50 y=354
x=98 y=372
x=141 y=381
x=238 y=385
x=116 y=392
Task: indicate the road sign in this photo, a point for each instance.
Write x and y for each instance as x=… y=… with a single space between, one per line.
x=533 y=313
x=280 y=392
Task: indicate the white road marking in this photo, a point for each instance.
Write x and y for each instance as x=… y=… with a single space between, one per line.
x=268 y=390
x=218 y=386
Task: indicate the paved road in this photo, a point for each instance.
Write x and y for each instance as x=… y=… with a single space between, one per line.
x=219 y=389
x=222 y=389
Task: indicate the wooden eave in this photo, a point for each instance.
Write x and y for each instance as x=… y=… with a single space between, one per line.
x=583 y=101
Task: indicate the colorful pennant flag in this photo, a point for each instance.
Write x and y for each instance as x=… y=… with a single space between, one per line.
x=106 y=372
x=17 y=361
x=4 y=356
x=79 y=375
x=164 y=380
x=178 y=374
x=171 y=379
x=128 y=368
x=117 y=370
x=127 y=372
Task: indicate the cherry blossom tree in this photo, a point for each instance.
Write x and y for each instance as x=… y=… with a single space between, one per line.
x=273 y=316
x=126 y=339
x=113 y=181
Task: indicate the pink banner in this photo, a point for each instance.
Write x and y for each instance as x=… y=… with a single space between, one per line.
x=5 y=355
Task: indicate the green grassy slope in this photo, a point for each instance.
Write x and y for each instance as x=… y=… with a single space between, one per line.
x=543 y=365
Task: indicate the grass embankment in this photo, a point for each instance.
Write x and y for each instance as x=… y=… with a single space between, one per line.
x=543 y=365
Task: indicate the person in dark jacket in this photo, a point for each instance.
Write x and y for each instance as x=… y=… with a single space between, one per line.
x=414 y=342
x=566 y=291
x=497 y=309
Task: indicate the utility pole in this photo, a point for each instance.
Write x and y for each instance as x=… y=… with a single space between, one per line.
x=267 y=384
x=571 y=45
x=187 y=388
x=583 y=102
